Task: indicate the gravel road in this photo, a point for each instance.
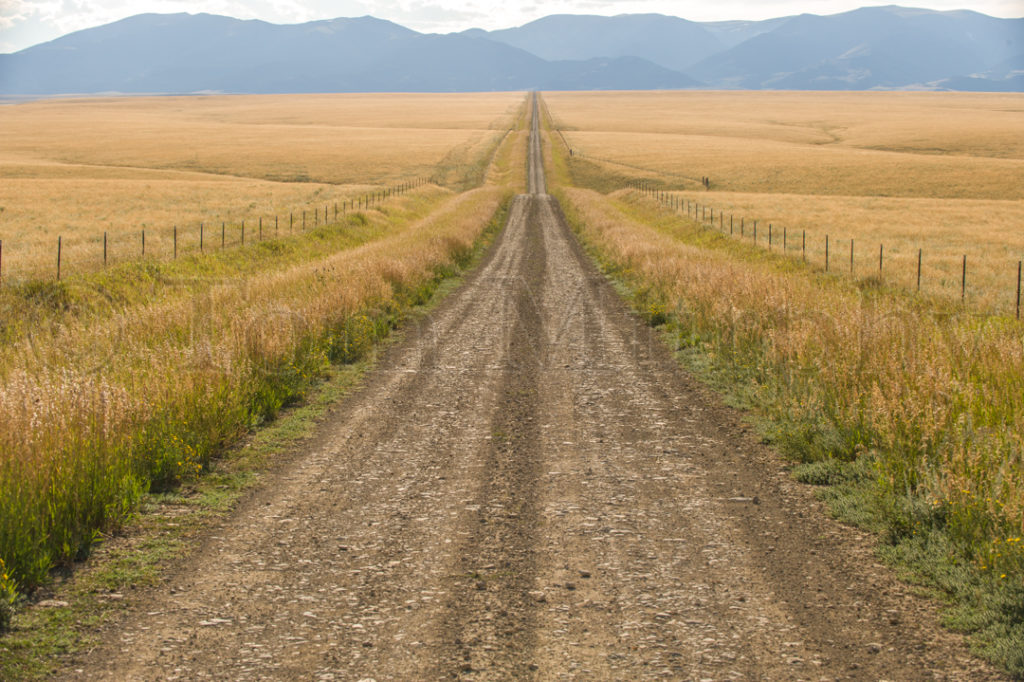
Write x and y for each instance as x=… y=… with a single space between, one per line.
x=528 y=487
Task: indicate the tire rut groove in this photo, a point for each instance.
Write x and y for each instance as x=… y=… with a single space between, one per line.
x=491 y=613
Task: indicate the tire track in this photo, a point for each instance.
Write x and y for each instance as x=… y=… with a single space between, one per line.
x=491 y=613
x=489 y=628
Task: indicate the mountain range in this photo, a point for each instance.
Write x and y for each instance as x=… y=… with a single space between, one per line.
x=870 y=48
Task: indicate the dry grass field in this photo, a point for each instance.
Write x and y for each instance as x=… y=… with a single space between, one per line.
x=77 y=168
x=941 y=172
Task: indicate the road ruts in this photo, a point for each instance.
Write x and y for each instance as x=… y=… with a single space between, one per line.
x=536 y=183
x=527 y=487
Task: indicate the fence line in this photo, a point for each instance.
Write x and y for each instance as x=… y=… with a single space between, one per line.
x=692 y=208
x=701 y=213
x=364 y=200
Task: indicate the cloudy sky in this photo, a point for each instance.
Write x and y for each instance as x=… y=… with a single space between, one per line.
x=27 y=22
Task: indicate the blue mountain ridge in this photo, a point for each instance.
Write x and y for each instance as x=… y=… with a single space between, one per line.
x=873 y=47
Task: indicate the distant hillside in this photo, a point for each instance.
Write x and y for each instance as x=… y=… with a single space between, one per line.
x=187 y=53
x=887 y=47
x=667 y=41
x=732 y=33
x=178 y=53
x=878 y=47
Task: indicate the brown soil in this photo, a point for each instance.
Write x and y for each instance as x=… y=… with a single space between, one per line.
x=529 y=487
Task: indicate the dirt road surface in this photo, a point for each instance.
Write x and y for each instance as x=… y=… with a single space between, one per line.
x=528 y=487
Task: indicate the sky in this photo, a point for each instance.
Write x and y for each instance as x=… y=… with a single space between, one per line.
x=28 y=22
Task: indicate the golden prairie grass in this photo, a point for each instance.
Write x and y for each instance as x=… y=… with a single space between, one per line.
x=95 y=408
x=335 y=139
x=940 y=172
x=85 y=209
x=901 y=226
x=900 y=121
x=768 y=166
x=79 y=168
x=865 y=143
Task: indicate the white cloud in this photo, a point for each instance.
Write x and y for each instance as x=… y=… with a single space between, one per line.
x=12 y=12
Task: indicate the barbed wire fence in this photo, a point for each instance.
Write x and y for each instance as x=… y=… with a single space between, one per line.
x=706 y=216
x=208 y=236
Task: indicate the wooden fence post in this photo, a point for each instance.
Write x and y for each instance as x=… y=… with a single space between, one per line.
x=769 y=236
x=175 y=242
x=881 y=251
x=201 y=237
x=963 y=281
x=243 y=233
x=143 y=242
x=223 y=235
x=851 y=257
x=104 y=249
x=826 y=253
x=803 y=245
x=58 y=257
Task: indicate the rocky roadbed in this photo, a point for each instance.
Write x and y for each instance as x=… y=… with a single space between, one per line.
x=529 y=487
